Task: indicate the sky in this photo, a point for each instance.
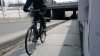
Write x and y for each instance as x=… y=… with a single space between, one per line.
x=64 y=0
x=15 y=1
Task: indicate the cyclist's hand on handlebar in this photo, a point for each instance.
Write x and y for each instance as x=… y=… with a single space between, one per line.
x=41 y=13
x=26 y=10
x=38 y=10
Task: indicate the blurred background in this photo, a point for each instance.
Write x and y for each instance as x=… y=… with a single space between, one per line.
x=13 y=8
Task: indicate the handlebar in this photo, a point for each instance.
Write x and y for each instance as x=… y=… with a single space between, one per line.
x=37 y=10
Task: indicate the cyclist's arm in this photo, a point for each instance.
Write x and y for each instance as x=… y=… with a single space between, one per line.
x=28 y=3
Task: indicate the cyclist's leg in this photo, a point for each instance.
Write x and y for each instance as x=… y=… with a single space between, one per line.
x=35 y=22
x=42 y=20
x=35 y=19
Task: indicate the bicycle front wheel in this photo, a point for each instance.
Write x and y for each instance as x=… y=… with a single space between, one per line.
x=29 y=44
x=42 y=36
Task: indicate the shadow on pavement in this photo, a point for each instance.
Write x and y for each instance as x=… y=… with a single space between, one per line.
x=71 y=44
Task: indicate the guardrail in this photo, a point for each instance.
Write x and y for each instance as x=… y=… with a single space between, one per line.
x=12 y=12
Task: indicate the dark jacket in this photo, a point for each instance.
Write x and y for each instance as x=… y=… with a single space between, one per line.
x=37 y=4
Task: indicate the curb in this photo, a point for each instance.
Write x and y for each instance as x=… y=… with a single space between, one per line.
x=12 y=20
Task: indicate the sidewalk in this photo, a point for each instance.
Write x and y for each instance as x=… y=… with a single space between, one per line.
x=62 y=40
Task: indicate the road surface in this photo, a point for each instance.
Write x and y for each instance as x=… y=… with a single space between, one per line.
x=8 y=28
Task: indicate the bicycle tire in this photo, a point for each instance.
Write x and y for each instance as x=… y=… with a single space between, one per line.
x=42 y=36
x=29 y=44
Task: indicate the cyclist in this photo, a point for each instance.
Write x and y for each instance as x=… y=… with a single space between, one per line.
x=37 y=4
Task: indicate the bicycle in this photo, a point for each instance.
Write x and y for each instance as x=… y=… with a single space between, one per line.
x=31 y=35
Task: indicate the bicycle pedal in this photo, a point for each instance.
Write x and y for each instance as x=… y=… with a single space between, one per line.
x=30 y=39
x=45 y=34
x=34 y=40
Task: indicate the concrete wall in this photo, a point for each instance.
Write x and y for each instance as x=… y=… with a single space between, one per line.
x=94 y=18
x=89 y=16
x=83 y=13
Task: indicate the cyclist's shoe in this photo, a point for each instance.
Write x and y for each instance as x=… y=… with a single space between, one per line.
x=34 y=40
x=44 y=31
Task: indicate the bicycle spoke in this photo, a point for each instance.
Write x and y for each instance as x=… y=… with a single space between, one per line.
x=29 y=44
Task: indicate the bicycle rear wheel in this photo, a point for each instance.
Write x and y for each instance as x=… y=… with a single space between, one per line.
x=29 y=44
x=42 y=35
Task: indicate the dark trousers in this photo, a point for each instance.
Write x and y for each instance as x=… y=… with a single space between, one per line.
x=37 y=17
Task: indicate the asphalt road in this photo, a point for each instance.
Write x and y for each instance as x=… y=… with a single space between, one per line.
x=8 y=28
